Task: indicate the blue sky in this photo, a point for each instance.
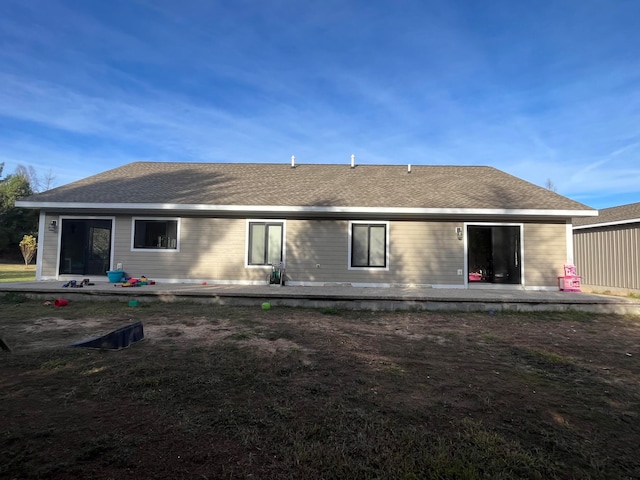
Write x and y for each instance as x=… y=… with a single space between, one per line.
x=546 y=90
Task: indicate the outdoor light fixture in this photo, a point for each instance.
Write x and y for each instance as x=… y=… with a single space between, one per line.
x=459 y=232
x=53 y=225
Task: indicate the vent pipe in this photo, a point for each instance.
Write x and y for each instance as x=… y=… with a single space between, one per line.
x=293 y=161
x=409 y=168
x=353 y=161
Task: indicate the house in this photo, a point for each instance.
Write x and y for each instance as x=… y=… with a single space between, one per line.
x=607 y=249
x=361 y=225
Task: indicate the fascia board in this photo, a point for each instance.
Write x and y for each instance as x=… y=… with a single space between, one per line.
x=304 y=209
x=607 y=224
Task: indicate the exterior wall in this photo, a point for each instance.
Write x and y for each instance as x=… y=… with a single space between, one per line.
x=545 y=253
x=210 y=249
x=214 y=249
x=608 y=257
x=422 y=253
x=316 y=253
x=48 y=243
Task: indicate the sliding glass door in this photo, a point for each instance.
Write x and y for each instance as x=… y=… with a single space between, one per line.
x=494 y=254
x=86 y=246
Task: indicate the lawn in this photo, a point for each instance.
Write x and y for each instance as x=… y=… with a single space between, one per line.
x=239 y=392
x=17 y=272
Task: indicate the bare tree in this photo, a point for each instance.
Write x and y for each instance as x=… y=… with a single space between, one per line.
x=549 y=185
x=47 y=181
x=38 y=183
x=30 y=174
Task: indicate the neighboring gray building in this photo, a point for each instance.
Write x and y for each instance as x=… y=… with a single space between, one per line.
x=365 y=225
x=607 y=249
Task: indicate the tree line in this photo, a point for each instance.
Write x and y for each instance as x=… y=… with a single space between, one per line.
x=16 y=222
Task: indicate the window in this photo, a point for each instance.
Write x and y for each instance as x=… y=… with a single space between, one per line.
x=368 y=245
x=155 y=234
x=265 y=243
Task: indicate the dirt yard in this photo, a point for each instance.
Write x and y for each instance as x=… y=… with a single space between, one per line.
x=220 y=392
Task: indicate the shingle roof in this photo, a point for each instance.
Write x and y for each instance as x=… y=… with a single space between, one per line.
x=367 y=186
x=612 y=215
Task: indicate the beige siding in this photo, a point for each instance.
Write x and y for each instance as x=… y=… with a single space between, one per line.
x=51 y=239
x=210 y=249
x=317 y=242
x=316 y=251
x=419 y=253
x=609 y=256
x=49 y=246
x=427 y=253
x=214 y=249
x=545 y=253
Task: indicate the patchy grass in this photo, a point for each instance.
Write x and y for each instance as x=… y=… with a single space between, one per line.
x=12 y=298
x=17 y=272
x=221 y=392
x=330 y=311
x=618 y=293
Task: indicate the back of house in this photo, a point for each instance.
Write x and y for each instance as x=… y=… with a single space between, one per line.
x=361 y=225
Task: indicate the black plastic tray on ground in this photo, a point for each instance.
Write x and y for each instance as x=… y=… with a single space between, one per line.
x=120 y=338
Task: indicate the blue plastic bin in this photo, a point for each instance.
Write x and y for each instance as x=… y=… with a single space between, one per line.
x=115 y=276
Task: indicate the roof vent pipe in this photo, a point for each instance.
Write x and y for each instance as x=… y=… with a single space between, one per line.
x=353 y=161
x=293 y=161
x=409 y=168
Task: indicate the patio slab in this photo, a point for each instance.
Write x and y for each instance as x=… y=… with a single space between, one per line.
x=339 y=297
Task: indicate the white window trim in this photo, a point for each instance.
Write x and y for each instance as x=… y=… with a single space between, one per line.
x=61 y=218
x=165 y=250
x=246 y=240
x=350 y=243
x=569 y=234
x=493 y=224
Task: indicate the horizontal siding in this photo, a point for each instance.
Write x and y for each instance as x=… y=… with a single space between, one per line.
x=609 y=257
x=49 y=246
x=426 y=253
x=317 y=242
x=420 y=253
x=50 y=254
x=210 y=249
x=545 y=253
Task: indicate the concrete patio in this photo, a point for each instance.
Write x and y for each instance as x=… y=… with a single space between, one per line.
x=338 y=297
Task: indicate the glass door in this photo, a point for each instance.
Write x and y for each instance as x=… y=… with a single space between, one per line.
x=86 y=247
x=494 y=254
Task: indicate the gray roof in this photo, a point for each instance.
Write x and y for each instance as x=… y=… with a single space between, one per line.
x=263 y=185
x=614 y=215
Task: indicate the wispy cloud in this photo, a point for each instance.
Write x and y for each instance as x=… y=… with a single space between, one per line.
x=545 y=94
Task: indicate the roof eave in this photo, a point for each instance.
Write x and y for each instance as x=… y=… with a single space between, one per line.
x=320 y=209
x=607 y=224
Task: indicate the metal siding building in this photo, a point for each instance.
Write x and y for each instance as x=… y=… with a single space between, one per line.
x=607 y=249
